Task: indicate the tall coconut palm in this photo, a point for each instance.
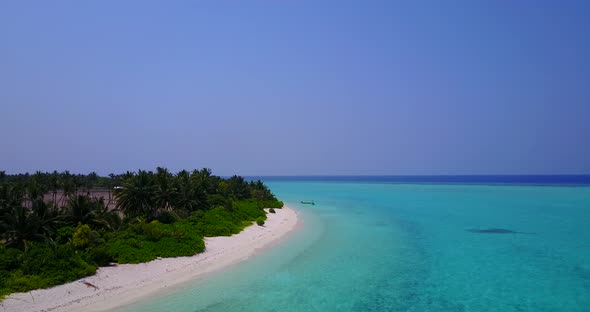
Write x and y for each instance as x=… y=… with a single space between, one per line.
x=35 y=190
x=82 y=209
x=22 y=225
x=10 y=196
x=260 y=191
x=90 y=180
x=185 y=199
x=238 y=188
x=68 y=186
x=203 y=179
x=200 y=184
x=165 y=191
x=54 y=186
x=137 y=197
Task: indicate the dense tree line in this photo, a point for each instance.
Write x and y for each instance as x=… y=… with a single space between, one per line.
x=157 y=214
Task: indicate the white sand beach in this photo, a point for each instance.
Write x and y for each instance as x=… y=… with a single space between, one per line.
x=127 y=283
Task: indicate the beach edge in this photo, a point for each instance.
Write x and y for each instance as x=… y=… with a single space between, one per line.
x=126 y=284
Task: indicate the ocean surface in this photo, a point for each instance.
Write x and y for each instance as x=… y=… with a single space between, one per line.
x=382 y=245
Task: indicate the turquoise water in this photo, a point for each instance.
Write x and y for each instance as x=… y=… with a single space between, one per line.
x=403 y=247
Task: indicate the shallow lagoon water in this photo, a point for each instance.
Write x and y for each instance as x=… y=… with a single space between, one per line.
x=405 y=247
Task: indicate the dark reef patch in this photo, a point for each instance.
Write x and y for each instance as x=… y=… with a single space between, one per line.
x=495 y=231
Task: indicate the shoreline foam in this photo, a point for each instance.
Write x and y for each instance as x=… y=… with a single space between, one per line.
x=127 y=283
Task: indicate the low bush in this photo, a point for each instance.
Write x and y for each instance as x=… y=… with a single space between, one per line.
x=41 y=266
x=217 y=222
x=216 y=200
x=144 y=242
x=260 y=221
x=64 y=234
x=85 y=237
x=98 y=256
x=168 y=217
x=221 y=222
x=248 y=210
x=272 y=210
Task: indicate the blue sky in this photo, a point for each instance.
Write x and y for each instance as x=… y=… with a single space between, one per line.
x=296 y=87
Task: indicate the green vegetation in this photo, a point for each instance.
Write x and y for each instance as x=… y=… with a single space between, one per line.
x=143 y=242
x=59 y=227
x=40 y=266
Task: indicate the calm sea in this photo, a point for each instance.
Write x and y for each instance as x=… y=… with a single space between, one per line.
x=385 y=245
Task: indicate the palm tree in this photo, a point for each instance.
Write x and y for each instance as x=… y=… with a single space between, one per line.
x=204 y=179
x=137 y=197
x=200 y=183
x=22 y=225
x=10 y=196
x=260 y=191
x=68 y=186
x=110 y=220
x=165 y=190
x=35 y=192
x=185 y=199
x=90 y=180
x=237 y=187
x=54 y=185
x=82 y=209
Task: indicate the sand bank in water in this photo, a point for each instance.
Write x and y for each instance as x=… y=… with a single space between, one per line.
x=126 y=283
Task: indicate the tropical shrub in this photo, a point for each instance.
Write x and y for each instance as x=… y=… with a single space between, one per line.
x=40 y=266
x=98 y=256
x=168 y=217
x=260 y=221
x=248 y=210
x=216 y=200
x=64 y=234
x=217 y=222
x=144 y=242
x=85 y=237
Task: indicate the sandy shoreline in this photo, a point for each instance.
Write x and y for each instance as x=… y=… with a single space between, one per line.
x=124 y=284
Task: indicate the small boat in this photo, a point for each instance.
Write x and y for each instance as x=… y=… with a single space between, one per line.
x=308 y=202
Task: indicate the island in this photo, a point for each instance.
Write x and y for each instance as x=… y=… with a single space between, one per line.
x=124 y=236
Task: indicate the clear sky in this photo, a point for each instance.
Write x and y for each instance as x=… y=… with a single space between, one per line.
x=296 y=87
